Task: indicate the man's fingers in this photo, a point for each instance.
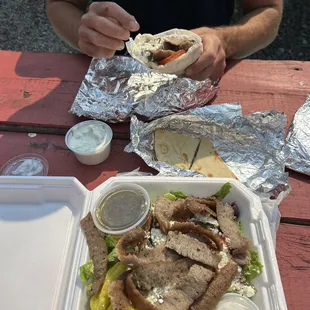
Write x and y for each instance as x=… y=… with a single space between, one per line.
x=211 y=47
x=95 y=51
x=113 y=10
x=105 y=26
x=214 y=71
x=101 y=40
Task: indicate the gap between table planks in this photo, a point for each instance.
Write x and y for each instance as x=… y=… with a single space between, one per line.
x=37 y=89
x=62 y=162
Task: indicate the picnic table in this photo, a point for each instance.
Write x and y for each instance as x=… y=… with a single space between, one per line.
x=37 y=90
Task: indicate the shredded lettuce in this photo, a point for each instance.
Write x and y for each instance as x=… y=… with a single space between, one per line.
x=224 y=191
x=179 y=195
x=170 y=196
x=112 y=257
x=254 y=268
x=87 y=271
x=111 y=241
x=240 y=225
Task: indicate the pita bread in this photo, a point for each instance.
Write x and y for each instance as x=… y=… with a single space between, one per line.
x=209 y=163
x=142 y=44
x=174 y=149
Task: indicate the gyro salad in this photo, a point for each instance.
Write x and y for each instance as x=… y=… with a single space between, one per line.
x=188 y=254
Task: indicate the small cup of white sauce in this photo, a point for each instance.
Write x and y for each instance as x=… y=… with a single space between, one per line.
x=122 y=208
x=90 y=141
x=236 y=302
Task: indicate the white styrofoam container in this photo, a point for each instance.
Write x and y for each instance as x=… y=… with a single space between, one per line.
x=42 y=244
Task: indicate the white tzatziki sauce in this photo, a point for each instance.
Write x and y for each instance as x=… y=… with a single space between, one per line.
x=87 y=138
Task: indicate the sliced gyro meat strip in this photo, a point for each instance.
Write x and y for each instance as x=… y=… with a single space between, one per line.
x=167 y=210
x=131 y=250
x=155 y=276
x=196 y=206
x=217 y=288
x=192 y=228
x=238 y=244
x=187 y=246
x=187 y=290
x=97 y=250
x=158 y=55
x=117 y=294
x=138 y=300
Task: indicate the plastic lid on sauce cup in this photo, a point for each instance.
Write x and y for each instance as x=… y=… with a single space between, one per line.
x=236 y=302
x=122 y=208
x=25 y=165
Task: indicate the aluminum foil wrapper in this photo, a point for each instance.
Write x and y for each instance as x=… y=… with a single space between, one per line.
x=251 y=146
x=114 y=90
x=297 y=148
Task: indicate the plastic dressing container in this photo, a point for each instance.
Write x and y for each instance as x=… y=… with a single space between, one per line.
x=232 y=301
x=122 y=208
x=90 y=141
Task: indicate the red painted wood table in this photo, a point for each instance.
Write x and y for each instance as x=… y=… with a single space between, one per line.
x=37 y=90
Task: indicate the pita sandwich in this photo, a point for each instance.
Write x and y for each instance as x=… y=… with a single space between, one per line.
x=209 y=163
x=170 y=52
x=174 y=149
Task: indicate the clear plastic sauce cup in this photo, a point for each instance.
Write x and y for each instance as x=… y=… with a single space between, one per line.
x=232 y=301
x=121 y=209
x=90 y=141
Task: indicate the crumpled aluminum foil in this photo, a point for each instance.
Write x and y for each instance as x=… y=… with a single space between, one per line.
x=251 y=146
x=114 y=90
x=297 y=147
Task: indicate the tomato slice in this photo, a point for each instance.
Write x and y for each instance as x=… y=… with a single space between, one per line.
x=173 y=56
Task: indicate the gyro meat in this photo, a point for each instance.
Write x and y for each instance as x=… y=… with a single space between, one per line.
x=97 y=250
x=238 y=244
x=116 y=293
x=217 y=288
x=192 y=248
x=131 y=250
x=167 y=286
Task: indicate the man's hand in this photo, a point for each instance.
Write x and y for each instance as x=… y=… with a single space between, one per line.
x=104 y=28
x=211 y=64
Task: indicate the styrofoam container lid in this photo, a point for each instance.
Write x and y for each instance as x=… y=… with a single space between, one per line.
x=44 y=246
x=122 y=208
x=25 y=165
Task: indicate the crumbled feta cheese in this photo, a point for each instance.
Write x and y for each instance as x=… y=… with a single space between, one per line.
x=206 y=219
x=157 y=237
x=240 y=286
x=225 y=255
x=157 y=293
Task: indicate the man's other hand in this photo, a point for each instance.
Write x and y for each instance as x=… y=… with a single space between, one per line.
x=211 y=64
x=104 y=28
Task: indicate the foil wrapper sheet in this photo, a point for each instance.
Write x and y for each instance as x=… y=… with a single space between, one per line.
x=297 y=147
x=114 y=90
x=251 y=146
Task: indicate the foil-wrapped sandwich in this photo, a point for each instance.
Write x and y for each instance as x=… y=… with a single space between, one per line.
x=169 y=52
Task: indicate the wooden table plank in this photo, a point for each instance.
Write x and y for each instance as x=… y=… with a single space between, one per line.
x=32 y=84
x=293 y=254
x=62 y=161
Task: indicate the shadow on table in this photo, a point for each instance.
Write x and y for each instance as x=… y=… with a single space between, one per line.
x=50 y=88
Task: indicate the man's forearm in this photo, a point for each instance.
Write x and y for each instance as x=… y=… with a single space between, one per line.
x=254 y=32
x=65 y=19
